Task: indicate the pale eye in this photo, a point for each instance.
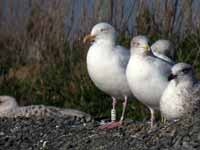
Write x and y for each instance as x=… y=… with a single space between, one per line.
x=104 y=30
x=136 y=44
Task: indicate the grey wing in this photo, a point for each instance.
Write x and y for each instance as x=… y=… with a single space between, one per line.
x=165 y=67
x=162 y=65
x=163 y=47
x=163 y=57
x=123 y=55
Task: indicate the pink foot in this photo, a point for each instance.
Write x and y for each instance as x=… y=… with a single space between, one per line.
x=111 y=125
x=104 y=126
x=115 y=125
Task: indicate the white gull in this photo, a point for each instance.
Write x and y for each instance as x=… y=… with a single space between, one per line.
x=182 y=93
x=147 y=74
x=164 y=49
x=106 y=64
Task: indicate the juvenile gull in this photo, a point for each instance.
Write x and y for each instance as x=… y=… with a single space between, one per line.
x=106 y=64
x=147 y=74
x=182 y=93
x=10 y=108
x=163 y=49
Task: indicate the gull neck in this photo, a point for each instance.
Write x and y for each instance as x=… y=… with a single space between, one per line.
x=109 y=42
x=140 y=52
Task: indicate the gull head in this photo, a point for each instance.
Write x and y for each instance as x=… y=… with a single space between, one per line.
x=101 y=31
x=7 y=103
x=139 y=45
x=164 y=47
x=181 y=71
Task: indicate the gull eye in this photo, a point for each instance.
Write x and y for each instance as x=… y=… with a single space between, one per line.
x=186 y=70
x=105 y=29
x=102 y=30
x=136 y=44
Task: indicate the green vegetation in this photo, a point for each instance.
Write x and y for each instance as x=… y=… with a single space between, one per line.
x=63 y=86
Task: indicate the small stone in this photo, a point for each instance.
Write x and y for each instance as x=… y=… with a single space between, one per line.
x=2 y=133
x=198 y=137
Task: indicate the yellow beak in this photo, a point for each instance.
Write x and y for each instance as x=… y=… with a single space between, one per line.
x=146 y=47
x=89 y=38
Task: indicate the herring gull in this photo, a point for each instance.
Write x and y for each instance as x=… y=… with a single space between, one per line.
x=147 y=74
x=106 y=64
x=182 y=93
x=10 y=108
x=164 y=49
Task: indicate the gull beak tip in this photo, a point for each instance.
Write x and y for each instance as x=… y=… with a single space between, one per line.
x=88 y=38
x=85 y=39
x=147 y=47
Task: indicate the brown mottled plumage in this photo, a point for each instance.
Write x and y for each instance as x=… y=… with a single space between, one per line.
x=10 y=108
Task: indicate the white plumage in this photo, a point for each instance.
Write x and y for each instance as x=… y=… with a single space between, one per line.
x=164 y=49
x=147 y=74
x=106 y=63
x=107 y=70
x=182 y=94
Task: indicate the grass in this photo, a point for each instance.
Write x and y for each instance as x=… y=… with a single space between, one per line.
x=64 y=86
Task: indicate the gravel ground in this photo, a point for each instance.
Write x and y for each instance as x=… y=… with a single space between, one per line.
x=70 y=134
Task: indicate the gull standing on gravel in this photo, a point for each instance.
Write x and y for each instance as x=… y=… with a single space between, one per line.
x=10 y=108
x=147 y=74
x=164 y=49
x=106 y=64
x=182 y=94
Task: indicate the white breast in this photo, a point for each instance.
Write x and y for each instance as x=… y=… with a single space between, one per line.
x=145 y=81
x=175 y=101
x=105 y=71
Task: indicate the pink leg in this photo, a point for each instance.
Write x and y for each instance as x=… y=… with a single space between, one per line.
x=119 y=123
x=124 y=108
x=113 y=115
x=152 y=117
